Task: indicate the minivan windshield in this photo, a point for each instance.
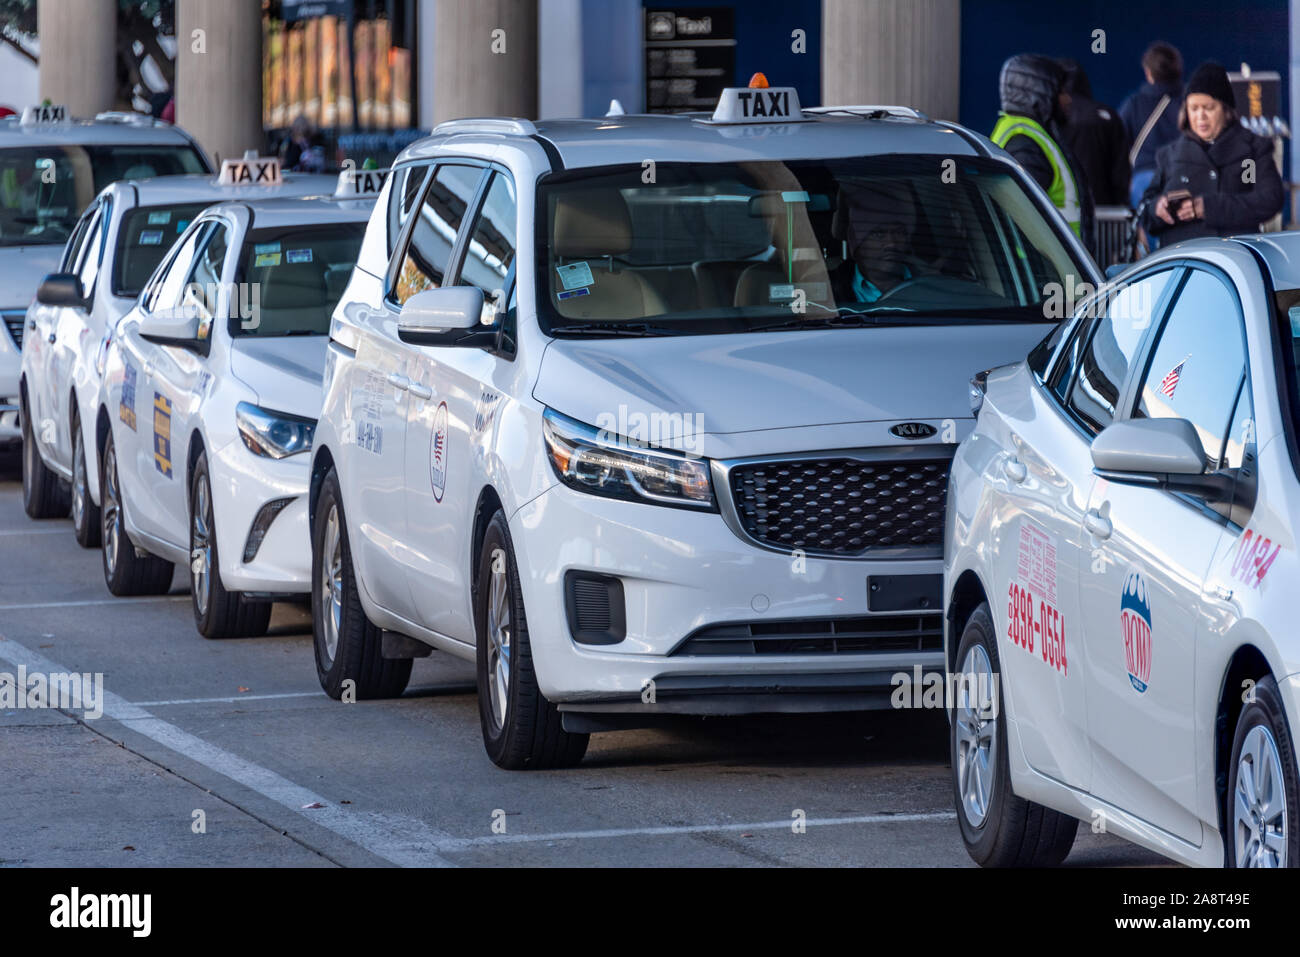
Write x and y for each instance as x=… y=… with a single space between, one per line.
x=741 y=247
x=44 y=189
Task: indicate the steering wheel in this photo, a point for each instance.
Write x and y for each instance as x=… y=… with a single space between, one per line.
x=902 y=285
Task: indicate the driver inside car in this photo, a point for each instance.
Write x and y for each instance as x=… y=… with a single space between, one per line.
x=877 y=221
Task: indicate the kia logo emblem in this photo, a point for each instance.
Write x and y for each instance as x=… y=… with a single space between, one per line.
x=913 y=430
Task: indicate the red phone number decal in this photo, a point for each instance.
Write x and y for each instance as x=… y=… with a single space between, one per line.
x=1046 y=629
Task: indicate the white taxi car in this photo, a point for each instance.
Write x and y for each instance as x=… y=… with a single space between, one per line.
x=653 y=414
x=211 y=389
x=51 y=168
x=1120 y=558
x=118 y=242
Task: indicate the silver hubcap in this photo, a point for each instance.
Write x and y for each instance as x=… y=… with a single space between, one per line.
x=976 y=728
x=78 y=479
x=498 y=638
x=331 y=584
x=1259 y=804
x=201 y=547
x=112 y=511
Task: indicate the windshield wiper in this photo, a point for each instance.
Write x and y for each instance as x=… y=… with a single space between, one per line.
x=841 y=320
x=613 y=328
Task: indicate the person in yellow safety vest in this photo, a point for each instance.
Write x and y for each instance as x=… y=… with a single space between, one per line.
x=1034 y=107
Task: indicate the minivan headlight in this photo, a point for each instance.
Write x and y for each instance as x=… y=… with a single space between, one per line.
x=590 y=460
x=276 y=435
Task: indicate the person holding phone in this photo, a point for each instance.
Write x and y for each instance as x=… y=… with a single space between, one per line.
x=1218 y=178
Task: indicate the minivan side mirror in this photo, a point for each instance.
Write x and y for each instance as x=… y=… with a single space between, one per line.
x=177 y=326
x=450 y=316
x=62 y=289
x=1162 y=453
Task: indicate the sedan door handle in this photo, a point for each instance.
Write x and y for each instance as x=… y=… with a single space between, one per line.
x=420 y=391
x=1096 y=525
x=399 y=382
x=1015 y=470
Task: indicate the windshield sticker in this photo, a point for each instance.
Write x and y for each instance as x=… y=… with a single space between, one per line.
x=575 y=275
x=162 y=434
x=1135 y=626
x=438 y=453
x=181 y=226
x=1255 y=556
x=298 y=256
x=1034 y=621
x=126 y=406
x=160 y=219
x=266 y=259
x=151 y=237
x=260 y=248
x=574 y=293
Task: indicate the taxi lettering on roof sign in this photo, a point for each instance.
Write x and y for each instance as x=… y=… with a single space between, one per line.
x=251 y=171
x=46 y=113
x=360 y=182
x=758 y=103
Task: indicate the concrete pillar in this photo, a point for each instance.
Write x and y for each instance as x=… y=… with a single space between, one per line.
x=78 y=54
x=219 y=74
x=904 y=52
x=485 y=58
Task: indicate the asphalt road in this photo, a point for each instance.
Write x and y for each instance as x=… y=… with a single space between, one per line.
x=240 y=731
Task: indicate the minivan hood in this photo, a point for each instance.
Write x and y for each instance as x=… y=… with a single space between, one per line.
x=22 y=268
x=284 y=371
x=741 y=389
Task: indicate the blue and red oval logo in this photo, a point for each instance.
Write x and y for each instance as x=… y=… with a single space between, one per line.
x=1135 y=626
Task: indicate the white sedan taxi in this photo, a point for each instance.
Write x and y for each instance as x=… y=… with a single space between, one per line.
x=1120 y=557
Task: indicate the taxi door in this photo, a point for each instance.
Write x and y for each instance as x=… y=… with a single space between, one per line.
x=1143 y=595
x=144 y=433
x=452 y=397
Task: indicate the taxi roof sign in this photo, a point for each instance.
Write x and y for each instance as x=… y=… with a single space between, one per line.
x=777 y=104
x=45 y=113
x=361 y=183
x=251 y=171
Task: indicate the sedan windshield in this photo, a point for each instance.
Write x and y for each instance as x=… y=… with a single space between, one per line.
x=739 y=247
x=145 y=236
x=43 y=189
x=296 y=275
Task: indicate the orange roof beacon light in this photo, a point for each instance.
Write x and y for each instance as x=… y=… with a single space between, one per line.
x=758 y=81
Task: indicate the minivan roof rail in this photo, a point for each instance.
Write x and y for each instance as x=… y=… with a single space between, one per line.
x=507 y=126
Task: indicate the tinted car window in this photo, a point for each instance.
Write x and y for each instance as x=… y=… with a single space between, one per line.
x=1198 y=362
x=491 y=250
x=429 y=249
x=298 y=274
x=1104 y=364
x=145 y=235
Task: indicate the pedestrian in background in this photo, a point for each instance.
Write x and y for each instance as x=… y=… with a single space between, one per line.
x=1150 y=113
x=1094 y=135
x=1030 y=127
x=1217 y=178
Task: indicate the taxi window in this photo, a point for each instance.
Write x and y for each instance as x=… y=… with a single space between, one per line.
x=93 y=249
x=295 y=276
x=491 y=250
x=1197 y=364
x=714 y=247
x=44 y=189
x=428 y=251
x=143 y=238
x=403 y=195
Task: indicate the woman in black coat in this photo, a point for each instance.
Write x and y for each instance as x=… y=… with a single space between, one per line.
x=1218 y=178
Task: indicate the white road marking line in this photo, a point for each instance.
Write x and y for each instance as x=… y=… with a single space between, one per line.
x=464 y=843
x=5 y=533
x=96 y=601
x=230 y=700
x=406 y=842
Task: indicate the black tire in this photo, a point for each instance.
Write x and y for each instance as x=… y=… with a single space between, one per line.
x=357 y=655
x=1012 y=832
x=217 y=613
x=531 y=736
x=86 y=520
x=45 y=495
x=1265 y=712
x=125 y=572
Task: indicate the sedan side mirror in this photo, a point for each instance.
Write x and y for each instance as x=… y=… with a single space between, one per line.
x=62 y=289
x=1162 y=453
x=451 y=316
x=178 y=326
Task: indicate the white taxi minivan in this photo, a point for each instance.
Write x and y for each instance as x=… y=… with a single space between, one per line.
x=116 y=245
x=1120 y=569
x=211 y=388
x=51 y=168
x=653 y=415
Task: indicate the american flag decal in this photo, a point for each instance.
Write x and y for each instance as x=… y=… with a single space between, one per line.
x=1170 y=382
